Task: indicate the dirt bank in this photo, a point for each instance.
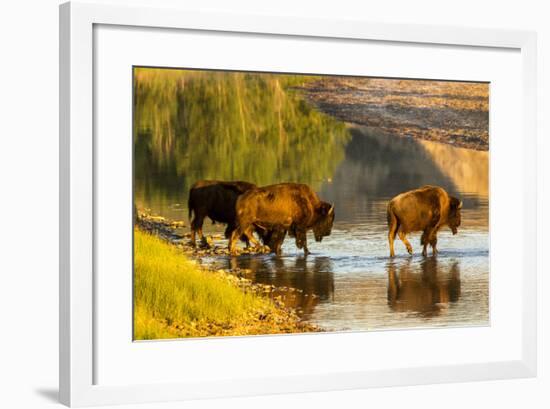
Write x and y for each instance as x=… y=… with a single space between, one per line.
x=456 y=113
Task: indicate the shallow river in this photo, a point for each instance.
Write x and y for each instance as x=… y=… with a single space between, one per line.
x=349 y=282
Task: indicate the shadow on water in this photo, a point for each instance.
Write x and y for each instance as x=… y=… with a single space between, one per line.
x=423 y=288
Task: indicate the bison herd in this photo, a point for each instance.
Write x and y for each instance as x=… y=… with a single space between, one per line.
x=274 y=211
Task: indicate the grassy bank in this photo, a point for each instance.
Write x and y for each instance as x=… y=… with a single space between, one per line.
x=174 y=297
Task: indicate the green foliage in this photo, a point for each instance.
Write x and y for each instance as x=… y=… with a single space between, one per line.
x=191 y=125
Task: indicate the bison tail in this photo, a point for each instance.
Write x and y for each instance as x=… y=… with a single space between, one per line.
x=393 y=221
x=390 y=215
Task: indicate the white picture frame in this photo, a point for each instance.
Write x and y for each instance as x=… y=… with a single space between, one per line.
x=78 y=387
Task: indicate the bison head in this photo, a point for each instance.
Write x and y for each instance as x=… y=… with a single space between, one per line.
x=324 y=220
x=454 y=214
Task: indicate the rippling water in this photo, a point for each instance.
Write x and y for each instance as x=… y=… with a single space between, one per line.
x=349 y=282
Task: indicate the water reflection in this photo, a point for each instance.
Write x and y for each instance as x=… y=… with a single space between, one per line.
x=191 y=125
x=425 y=288
x=312 y=277
x=379 y=166
x=466 y=168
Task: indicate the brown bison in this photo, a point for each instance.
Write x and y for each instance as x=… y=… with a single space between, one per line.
x=427 y=210
x=291 y=207
x=216 y=200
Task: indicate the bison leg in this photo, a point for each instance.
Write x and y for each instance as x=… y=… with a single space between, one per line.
x=238 y=233
x=235 y=234
x=391 y=238
x=403 y=237
x=196 y=226
x=249 y=234
x=301 y=240
x=278 y=248
x=430 y=238
x=433 y=243
x=229 y=229
x=204 y=242
x=424 y=240
x=430 y=234
x=273 y=239
x=277 y=243
x=193 y=238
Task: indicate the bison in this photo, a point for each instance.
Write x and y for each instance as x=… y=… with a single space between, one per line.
x=427 y=210
x=216 y=200
x=286 y=207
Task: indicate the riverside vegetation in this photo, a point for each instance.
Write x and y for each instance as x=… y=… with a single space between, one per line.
x=175 y=297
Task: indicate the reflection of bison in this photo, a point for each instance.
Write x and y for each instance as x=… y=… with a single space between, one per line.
x=423 y=288
x=291 y=207
x=427 y=210
x=216 y=200
x=311 y=277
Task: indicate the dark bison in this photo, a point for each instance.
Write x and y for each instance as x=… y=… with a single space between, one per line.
x=286 y=207
x=427 y=210
x=216 y=200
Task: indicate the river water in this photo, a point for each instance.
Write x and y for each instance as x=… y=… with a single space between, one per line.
x=348 y=281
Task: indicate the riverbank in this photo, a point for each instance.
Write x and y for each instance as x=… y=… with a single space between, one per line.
x=176 y=297
x=455 y=113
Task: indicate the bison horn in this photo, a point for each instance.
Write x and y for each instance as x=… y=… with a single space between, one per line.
x=460 y=205
x=331 y=210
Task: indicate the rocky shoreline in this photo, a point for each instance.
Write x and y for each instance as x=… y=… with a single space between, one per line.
x=454 y=113
x=284 y=320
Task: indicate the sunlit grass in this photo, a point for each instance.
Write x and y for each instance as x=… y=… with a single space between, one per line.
x=173 y=295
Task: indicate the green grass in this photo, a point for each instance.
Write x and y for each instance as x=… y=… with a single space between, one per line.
x=174 y=297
